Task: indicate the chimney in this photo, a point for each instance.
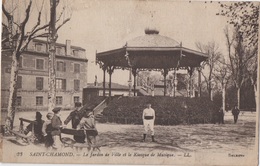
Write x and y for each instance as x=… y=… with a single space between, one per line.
x=68 y=47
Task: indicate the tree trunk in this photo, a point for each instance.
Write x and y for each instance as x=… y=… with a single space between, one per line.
x=255 y=90
x=12 y=92
x=224 y=97
x=210 y=93
x=52 y=78
x=238 y=98
x=52 y=61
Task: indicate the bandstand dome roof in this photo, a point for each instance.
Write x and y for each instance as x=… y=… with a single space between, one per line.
x=152 y=39
x=151 y=51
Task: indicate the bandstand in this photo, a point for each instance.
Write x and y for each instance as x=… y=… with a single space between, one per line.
x=151 y=52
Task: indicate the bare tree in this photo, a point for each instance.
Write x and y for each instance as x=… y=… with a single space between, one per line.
x=222 y=75
x=212 y=49
x=18 y=38
x=240 y=57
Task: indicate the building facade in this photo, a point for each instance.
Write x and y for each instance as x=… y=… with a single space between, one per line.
x=32 y=83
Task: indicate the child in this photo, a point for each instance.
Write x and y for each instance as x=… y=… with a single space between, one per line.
x=88 y=124
x=56 y=125
x=37 y=128
x=46 y=130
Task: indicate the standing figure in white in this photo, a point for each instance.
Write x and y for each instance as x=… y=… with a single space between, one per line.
x=148 y=121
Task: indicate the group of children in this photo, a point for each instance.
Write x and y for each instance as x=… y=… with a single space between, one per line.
x=49 y=131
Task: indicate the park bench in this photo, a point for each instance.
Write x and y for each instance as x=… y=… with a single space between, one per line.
x=68 y=142
x=20 y=133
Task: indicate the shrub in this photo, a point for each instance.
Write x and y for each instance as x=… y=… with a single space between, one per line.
x=168 y=110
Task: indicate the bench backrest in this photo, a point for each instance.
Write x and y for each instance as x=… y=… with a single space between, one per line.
x=73 y=132
x=28 y=121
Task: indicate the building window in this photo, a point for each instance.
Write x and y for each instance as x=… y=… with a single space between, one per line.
x=61 y=66
x=76 y=99
x=19 y=82
x=18 y=101
x=39 y=83
x=29 y=62
x=58 y=50
x=76 y=68
x=39 y=100
x=60 y=84
x=76 y=85
x=76 y=53
x=38 y=47
x=59 y=100
x=39 y=64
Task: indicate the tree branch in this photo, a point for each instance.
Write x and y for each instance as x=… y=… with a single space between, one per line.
x=39 y=18
x=64 y=22
x=4 y=25
x=6 y=13
x=22 y=26
x=63 y=9
x=40 y=35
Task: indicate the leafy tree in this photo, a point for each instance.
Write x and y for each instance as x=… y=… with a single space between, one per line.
x=244 y=16
x=242 y=44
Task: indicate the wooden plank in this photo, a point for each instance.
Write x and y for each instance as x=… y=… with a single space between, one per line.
x=73 y=132
x=27 y=120
x=16 y=133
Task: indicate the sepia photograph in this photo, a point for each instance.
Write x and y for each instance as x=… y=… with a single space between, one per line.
x=143 y=82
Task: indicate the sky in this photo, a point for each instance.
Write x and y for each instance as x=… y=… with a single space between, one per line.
x=98 y=26
x=103 y=25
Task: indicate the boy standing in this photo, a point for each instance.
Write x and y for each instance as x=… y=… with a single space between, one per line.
x=46 y=130
x=88 y=124
x=148 y=121
x=56 y=125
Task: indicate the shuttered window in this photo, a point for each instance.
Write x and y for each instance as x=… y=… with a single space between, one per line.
x=19 y=82
x=40 y=64
x=76 y=68
x=39 y=100
x=18 y=101
x=59 y=100
x=61 y=66
x=76 y=99
x=39 y=83
x=76 y=85
x=61 y=84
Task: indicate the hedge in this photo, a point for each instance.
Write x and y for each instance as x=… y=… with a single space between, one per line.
x=168 y=110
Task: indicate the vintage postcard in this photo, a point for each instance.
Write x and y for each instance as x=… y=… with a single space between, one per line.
x=146 y=82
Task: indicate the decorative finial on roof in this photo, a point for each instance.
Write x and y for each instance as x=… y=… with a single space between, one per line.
x=150 y=31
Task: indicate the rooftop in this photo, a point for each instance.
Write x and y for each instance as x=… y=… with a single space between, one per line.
x=113 y=86
x=152 y=39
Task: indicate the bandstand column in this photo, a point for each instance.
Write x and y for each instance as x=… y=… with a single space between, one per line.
x=130 y=81
x=165 y=72
x=199 y=81
x=190 y=72
x=134 y=72
x=104 y=80
x=174 y=83
x=110 y=71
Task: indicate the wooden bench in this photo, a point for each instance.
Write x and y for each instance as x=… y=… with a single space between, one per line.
x=20 y=133
x=68 y=142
